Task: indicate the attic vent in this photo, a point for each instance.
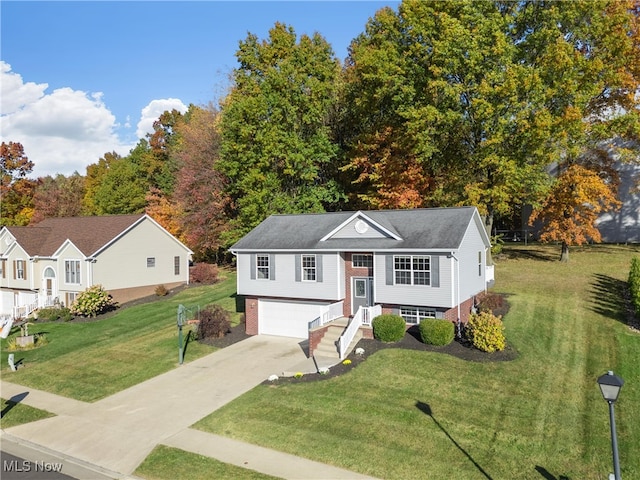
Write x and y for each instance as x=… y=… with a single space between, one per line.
x=361 y=226
x=8 y=240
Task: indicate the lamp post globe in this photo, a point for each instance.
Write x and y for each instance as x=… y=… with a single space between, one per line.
x=610 y=386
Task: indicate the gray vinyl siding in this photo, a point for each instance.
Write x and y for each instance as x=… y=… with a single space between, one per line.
x=471 y=283
x=415 y=295
x=349 y=231
x=287 y=282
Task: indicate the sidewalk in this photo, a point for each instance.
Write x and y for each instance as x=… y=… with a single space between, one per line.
x=117 y=433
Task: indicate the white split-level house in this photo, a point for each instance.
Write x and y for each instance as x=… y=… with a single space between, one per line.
x=298 y=273
x=54 y=260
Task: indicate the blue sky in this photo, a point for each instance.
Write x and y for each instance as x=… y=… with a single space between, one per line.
x=83 y=78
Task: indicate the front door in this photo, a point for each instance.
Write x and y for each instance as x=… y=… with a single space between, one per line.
x=361 y=293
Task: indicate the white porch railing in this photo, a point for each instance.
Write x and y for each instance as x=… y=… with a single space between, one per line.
x=369 y=313
x=327 y=314
x=27 y=309
x=363 y=316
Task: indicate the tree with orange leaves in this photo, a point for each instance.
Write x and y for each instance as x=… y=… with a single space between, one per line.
x=570 y=211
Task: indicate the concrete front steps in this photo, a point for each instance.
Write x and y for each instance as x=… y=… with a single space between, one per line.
x=328 y=346
x=326 y=353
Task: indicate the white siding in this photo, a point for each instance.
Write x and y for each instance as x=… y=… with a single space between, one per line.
x=124 y=263
x=416 y=295
x=285 y=284
x=472 y=279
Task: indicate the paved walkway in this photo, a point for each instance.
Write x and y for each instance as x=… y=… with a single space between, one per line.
x=117 y=433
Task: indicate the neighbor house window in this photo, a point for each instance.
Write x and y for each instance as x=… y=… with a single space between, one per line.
x=262 y=267
x=72 y=271
x=308 y=268
x=70 y=297
x=20 y=264
x=176 y=265
x=413 y=315
x=412 y=270
x=151 y=262
x=362 y=260
x=480 y=264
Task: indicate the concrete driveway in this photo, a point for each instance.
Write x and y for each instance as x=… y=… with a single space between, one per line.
x=118 y=432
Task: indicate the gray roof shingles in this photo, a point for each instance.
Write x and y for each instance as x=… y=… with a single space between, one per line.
x=427 y=228
x=89 y=234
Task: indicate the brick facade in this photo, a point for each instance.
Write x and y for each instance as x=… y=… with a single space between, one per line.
x=349 y=272
x=251 y=315
x=315 y=337
x=465 y=312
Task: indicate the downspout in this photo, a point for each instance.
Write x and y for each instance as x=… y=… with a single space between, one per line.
x=452 y=254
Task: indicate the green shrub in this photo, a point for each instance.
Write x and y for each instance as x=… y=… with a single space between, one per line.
x=51 y=314
x=214 y=323
x=436 y=332
x=486 y=332
x=634 y=284
x=389 y=328
x=92 y=302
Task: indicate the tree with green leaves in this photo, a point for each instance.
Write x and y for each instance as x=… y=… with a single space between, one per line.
x=277 y=148
x=470 y=102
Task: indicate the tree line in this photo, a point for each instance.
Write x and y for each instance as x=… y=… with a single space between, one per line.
x=491 y=103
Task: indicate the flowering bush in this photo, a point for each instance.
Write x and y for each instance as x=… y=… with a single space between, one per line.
x=359 y=351
x=346 y=362
x=299 y=375
x=273 y=378
x=92 y=302
x=323 y=371
x=486 y=332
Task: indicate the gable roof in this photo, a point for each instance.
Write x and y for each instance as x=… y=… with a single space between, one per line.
x=88 y=234
x=425 y=228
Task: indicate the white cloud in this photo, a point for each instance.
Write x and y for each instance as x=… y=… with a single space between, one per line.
x=61 y=132
x=66 y=130
x=152 y=112
x=14 y=93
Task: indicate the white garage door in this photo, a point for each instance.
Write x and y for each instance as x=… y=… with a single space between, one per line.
x=286 y=318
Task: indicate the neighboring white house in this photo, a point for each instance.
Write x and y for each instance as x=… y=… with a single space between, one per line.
x=299 y=271
x=56 y=259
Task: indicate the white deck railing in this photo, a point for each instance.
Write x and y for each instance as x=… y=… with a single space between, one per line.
x=489 y=273
x=327 y=314
x=363 y=316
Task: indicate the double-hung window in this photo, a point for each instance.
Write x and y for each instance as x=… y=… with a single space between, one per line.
x=262 y=267
x=72 y=272
x=412 y=270
x=309 y=268
x=20 y=266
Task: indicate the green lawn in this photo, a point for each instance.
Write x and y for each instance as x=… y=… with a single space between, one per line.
x=407 y=414
x=89 y=361
x=167 y=463
x=15 y=413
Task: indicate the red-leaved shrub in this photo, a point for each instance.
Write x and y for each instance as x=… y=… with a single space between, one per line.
x=206 y=273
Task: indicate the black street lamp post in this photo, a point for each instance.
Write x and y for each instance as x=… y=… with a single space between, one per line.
x=610 y=386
